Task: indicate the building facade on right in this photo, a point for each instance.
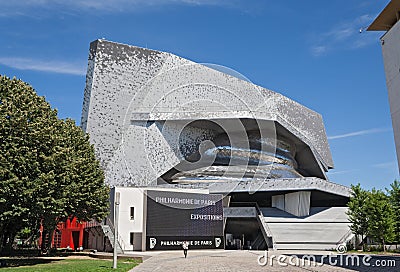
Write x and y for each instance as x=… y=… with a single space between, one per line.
x=388 y=20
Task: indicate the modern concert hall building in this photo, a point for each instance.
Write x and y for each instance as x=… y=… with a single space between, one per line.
x=197 y=152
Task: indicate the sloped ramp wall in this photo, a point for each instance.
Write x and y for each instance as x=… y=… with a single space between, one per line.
x=322 y=230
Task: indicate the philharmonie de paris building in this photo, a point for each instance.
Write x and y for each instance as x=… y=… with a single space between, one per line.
x=196 y=152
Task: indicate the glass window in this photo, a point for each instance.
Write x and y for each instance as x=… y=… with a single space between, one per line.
x=132 y=213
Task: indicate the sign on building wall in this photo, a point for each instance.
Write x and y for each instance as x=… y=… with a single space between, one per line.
x=173 y=218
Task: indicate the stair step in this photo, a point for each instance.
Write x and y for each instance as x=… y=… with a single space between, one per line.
x=108 y=232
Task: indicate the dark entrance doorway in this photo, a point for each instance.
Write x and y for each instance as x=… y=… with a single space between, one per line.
x=244 y=233
x=75 y=239
x=85 y=239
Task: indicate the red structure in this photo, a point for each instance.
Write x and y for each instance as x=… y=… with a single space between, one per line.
x=70 y=234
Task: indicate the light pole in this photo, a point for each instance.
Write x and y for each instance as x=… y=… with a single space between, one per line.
x=116 y=213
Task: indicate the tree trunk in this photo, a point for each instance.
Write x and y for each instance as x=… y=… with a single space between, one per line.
x=50 y=239
x=1 y=239
x=48 y=230
x=362 y=242
x=43 y=248
x=6 y=240
x=383 y=243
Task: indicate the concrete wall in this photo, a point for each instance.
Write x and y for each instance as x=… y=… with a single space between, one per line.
x=97 y=240
x=297 y=203
x=278 y=201
x=323 y=229
x=135 y=197
x=391 y=57
x=130 y=197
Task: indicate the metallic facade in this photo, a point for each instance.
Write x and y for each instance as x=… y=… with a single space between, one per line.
x=154 y=117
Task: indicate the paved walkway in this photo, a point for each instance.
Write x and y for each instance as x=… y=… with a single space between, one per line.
x=220 y=260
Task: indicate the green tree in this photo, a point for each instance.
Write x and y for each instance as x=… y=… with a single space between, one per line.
x=48 y=170
x=394 y=195
x=381 y=217
x=73 y=163
x=357 y=212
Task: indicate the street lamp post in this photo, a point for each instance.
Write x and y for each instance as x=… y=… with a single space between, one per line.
x=116 y=214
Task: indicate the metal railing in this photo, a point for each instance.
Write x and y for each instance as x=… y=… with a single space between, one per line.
x=258 y=242
x=346 y=237
x=121 y=242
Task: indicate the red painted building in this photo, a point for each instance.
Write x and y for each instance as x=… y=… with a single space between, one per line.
x=71 y=234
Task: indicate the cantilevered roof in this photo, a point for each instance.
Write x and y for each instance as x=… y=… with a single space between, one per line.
x=388 y=17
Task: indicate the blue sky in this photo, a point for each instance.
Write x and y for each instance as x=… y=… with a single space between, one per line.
x=310 y=51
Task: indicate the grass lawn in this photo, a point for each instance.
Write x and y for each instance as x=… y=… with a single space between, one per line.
x=68 y=265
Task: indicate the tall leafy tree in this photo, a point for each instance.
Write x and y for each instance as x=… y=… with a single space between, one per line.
x=381 y=217
x=48 y=170
x=358 y=212
x=394 y=194
x=75 y=180
x=25 y=129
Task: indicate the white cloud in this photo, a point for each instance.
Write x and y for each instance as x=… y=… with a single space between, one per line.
x=345 y=36
x=333 y=172
x=386 y=165
x=24 y=7
x=360 y=133
x=59 y=67
x=319 y=50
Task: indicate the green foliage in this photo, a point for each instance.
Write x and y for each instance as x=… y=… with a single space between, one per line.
x=48 y=170
x=394 y=195
x=358 y=211
x=380 y=217
x=372 y=213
